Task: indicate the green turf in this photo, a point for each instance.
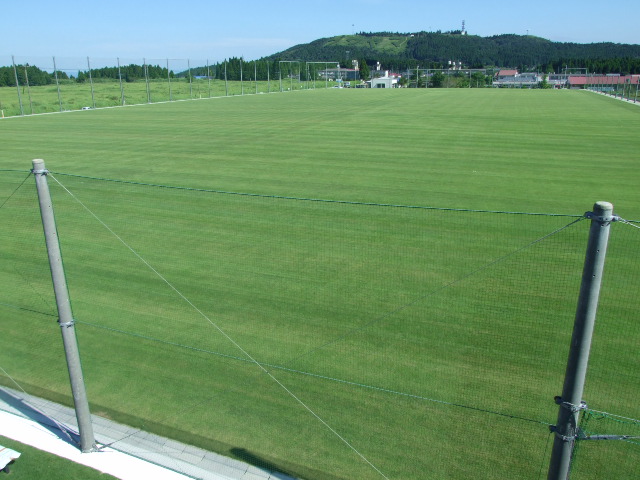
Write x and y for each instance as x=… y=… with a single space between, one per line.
x=496 y=149
x=431 y=341
x=34 y=463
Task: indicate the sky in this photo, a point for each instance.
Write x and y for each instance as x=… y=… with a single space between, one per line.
x=213 y=30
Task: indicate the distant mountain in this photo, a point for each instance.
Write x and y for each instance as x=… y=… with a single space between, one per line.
x=436 y=49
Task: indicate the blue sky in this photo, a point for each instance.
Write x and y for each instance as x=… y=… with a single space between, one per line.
x=215 y=30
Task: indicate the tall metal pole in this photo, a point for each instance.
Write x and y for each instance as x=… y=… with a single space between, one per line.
x=65 y=320
x=566 y=428
x=15 y=73
x=26 y=78
x=55 y=74
x=190 y=81
x=208 y=78
x=93 y=98
x=169 y=81
x=226 y=83
x=326 y=75
x=120 y=79
x=146 y=79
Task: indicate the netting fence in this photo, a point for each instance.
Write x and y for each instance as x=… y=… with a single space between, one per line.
x=624 y=87
x=34 y=85
x=326 y=339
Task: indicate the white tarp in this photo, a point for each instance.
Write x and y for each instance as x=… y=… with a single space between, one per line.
x=7 y=456
x=107 y=460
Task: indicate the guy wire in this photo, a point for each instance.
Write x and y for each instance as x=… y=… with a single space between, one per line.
x=222 y=332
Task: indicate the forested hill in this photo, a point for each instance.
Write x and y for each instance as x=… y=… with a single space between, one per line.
x=435 y=50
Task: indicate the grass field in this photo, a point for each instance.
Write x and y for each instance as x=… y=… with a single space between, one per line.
x=70 y=95
x=34 y=463
x=431 y=341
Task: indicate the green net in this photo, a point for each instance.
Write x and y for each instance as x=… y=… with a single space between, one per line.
x=612 y=380
x=322 y=339
x=608 y=446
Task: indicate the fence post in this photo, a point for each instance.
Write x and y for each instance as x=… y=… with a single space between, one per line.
x=15 y=73
x=190 y=79
x=122 y=101
x=570 y=403
x=226 y=84
x=169 y=81
x=65 y=320
x=208 y=79
x=55 y=74
x=93 y=97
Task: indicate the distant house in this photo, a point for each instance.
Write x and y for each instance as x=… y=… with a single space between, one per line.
x=511 y=78
x=557 y=80
x=506 y=75
x=388 y=81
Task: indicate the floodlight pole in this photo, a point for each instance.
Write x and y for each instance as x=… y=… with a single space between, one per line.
x=570 y=403
x=65 y=320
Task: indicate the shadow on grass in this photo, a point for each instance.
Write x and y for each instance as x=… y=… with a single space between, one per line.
x=257 y=461
x=32 y=413
x=282 y=470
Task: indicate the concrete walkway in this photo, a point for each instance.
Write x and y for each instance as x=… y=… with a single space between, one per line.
x=161 y=457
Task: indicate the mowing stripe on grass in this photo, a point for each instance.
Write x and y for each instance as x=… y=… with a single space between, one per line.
x=315 y=375
x=225 y=334
x=324 y=200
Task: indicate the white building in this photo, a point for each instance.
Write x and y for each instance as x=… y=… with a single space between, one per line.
x=385 y=82
x=511 y=78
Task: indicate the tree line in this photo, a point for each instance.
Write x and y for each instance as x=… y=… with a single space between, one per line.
x=232 y=69
x=128 y=73
x=34 y=76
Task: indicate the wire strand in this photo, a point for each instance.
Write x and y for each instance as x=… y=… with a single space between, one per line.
x=63 y=428
x=544 y=456
x=321 y=200
x=316 y=375
x=433 y=292
x=629 y=222
x=14 y=192
x=220 y=330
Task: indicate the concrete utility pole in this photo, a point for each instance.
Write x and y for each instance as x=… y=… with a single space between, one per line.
x=66 y=321
x=566 y=428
